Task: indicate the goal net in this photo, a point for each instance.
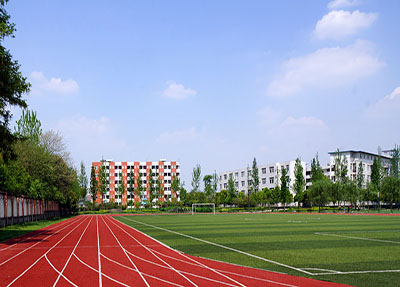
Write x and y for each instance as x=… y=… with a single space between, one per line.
x=203 y=208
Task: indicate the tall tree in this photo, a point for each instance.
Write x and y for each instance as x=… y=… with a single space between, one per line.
x=29 y=126
x=316 y=170
x=121 y=188
x=255 y=180
x=150 y=186
x=376 y=175
x=395 y=162
x=319 y=192
x=340 y=167
x=196 y=178
x=12 y=85
x=207 y=179
x=232 y=192
x=391 y=190
x=159 y=188
x=286 y=196
x=214 y=182
x=102 y=180
x=139 y=186
x=299 y=184
x=175 y=186
x=82 y=179
x=360 y=175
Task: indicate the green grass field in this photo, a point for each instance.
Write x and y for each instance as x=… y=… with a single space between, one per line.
x=306 y=243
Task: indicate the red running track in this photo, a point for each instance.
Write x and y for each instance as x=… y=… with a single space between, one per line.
x=97 y=250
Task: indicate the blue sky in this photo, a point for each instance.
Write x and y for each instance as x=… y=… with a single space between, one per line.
x=212 y=82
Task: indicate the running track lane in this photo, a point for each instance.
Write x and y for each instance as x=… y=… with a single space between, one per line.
x=97 y=250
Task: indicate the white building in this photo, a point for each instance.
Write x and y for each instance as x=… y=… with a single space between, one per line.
x=353 y=159
x=269 y=175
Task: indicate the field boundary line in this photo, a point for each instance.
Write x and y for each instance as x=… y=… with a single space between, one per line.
x=70 y=256
x=98 y=250
x=148 y=249
x=186 y=256
x=55 y=269
x=356 y=237
x=123 y=249
x=358 y=272
x=225 y=247
x=34 y=263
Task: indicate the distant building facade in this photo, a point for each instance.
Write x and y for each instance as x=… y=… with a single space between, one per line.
x=125 y=170
x=269 y=175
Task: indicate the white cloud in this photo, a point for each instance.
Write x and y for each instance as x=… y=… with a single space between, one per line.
x=178 y=91
x=386 y=107
x=179 y=136
x=269 y=116
x=310 y=121
x=336 y=4
x=325 y=68
x=40 y=84
x=339 y=24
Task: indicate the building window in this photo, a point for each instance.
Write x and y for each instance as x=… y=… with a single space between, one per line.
x=242 y=174
x=271 y=180
x=236 y=174
x=225 y=185
x=225 y=176
x=243 y=182
x=264 y=180
x=271 y=169
x=264 y=170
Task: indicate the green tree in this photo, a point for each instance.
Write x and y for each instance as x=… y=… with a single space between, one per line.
x=131 y=188
x=138 y=189
x=340 y=167
x=390 y=190
x=29 y=126
x=12 y=86
x=159 y=189
x=255 y=180
x=214 y=182
x=102 y=181
x=196 y=178
x=83 y=181
x=150 y=187
x=370 y=194
x=93 y=184
x=232 y=192
x=360 y=175
x=319 y=192
x=175 y=184
x=299 y=184
x=316 y=170
x=121 y=188
x=276 y=195
x=376 y=175
x=207 y=179
x=286 y=196
x=352 y=193
x=395 y=162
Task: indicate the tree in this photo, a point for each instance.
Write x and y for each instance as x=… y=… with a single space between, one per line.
x=131 y=188
x=231 y=191
x=395 y=162
x=207 y=179
x=102 y=180
x=12 y=86
x=376 y=175
x=360 y=175
x=93 y=184
x=121 y=188
x=299 y=184
x=276 y=195
x=175 y=184
x=214 y=182
x=159 y=188
x=255 y=180
x=150 y=186
x=286 y=196
x=370 y=193
x=316 y=170
x=390 y=190
x=53 y=143
x=352 y=193
x=29 y=127
x=340 y=167
x=139 y=186
x=83 y=181
x=319 y=192
x=196 y=178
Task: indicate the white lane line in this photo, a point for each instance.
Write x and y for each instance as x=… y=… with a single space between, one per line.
x=148 y=249
x=98 y=250
x=33 y=235
x=223 y=246
x=133 y=264
x=34 y=263
x=73 y=251
x=130 y=268
x=97 y=271
x=230 y=272
x=26 y=249
x=355 y=237
x=55 y=269
x=191 y=259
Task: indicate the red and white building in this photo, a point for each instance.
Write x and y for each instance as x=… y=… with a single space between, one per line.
x=124 y=170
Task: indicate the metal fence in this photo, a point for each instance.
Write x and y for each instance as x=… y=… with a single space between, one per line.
x=17 y=209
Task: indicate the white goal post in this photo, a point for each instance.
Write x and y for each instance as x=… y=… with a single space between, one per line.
x=202 y=204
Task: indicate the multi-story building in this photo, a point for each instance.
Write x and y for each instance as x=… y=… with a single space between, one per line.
x=118 y=172
x=269 y=175
x=353 y=159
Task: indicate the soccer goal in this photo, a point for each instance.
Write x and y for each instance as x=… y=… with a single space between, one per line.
x=203 y=208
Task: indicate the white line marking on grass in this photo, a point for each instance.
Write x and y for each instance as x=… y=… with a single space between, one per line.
x=97 y=271
x=358 y=272
x=26 y=249
x=34 y=263
x=73 y=251
x=59 y=274
x=223 y=246
x=296 y=221
x=355 y=237
x=184 y=255
x=98 y=250
x=148 y=249
x=133 y=264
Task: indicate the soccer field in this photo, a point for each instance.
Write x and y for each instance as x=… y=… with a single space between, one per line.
x=358 y=250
